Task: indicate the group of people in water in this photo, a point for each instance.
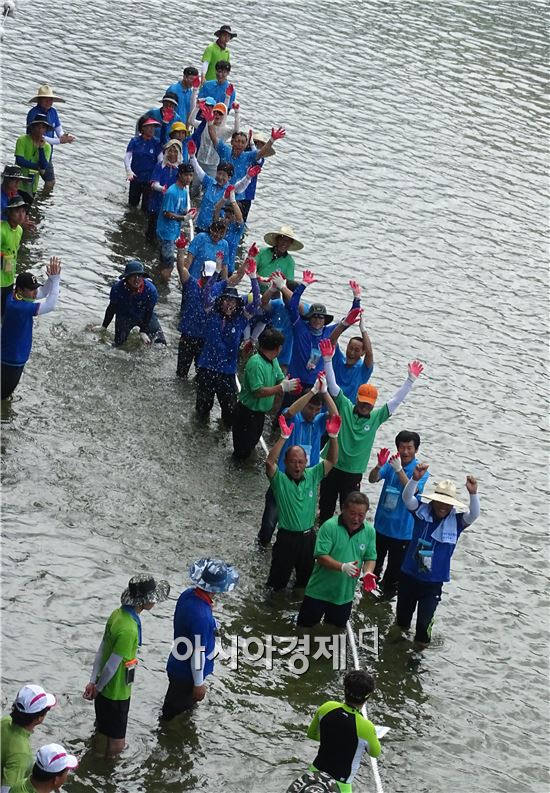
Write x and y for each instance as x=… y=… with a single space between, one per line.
x=291 y=369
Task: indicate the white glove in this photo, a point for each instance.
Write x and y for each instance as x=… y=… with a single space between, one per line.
x=145 y=338
x=278 y=281
x=350 y=568
x=289 y=385
x=395 y=462
x=320 y=385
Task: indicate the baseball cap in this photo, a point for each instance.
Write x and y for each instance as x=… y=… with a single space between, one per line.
x=31 y=698
x=27 y=281
x=54 y=759
x=185 y=167
x=367 y=393
x=220 y=107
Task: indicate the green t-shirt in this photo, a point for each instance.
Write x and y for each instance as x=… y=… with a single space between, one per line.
x=266 y=264
x=25 y=147
x=121 y=638
x=356 y=435
x=10 y=240
x=259 y=373
x=17 y=756
x=297 y=501
x=334 y=540
x=24 y=787
x=212 y=54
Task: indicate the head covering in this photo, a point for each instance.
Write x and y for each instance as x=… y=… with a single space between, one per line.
x=26 y=281
x=229 y=291
x=143 y=589
x=367 y=393
x=210 y=101
x=445 y=492
x=15 y=203
x=40 y=118
x=225 y=29
x=170 y=96
x=44 y=92
x=284 y=231
x=321 y=309
x=173 y=142
x=54 y=759
x=14 y=172
x=221 y=107
x=135 y=267
x=213 y=575
x=260 y=136
x=33 y=699
x=185 y=167
x=178 y=126
x=314 y=782
x=150 y=122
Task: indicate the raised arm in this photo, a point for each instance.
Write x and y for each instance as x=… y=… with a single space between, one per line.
x=368 y=358
x=53 y=271
x=333 y=428
x=382 y=458
x=327 y=351
x=415 y=369
x=272 y=460
x=293 y=305
x=181 y=260
x=410 y=488
x=276 y=134
x=473 y=512
x=192 y=150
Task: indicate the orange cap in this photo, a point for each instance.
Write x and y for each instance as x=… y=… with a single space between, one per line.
x=367 y=393
x=220 y=107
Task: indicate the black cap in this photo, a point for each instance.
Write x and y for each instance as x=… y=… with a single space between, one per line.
x=26 y=281
x=185 y=167
x=170 y=96
x=41 y=118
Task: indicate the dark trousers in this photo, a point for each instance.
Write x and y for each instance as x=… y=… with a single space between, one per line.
x=139 y=191
x=151 y=230
x=423 y=596
x=123 y=326
x=189 y=350
x=395 y=551
x=11 y=375
x=269 y=518
x=293 y=550
x=245 y=205
x=247 y=430
x=212 y=384
x=338 y=484
x=178 y=699
x=313 y=610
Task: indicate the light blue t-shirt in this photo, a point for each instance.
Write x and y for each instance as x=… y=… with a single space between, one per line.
x=204 y=250
x=233 y=236
x=175 y=200
x=240 y=164
x=217 y=91
x=306 y=434
x=184 y=99
x=349 y=378
x=211 y=194
x=392 y=517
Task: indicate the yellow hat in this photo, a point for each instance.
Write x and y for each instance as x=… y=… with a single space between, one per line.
x=178 y=126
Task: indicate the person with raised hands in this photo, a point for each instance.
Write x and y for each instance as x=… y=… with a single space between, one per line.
x=276 y=315
x=295 y=492
x=309 y=329
x=207 y=155
x=392 y=521
x=360 y=422
x=227 y=209
x=439 y=520
x=345 y=550
x=354 y=368
x=309 y=426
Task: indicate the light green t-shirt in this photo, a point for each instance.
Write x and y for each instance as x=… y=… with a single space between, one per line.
x=121 y=638
x=356 y=435
x=17 y=756
x=259 y=373
x=334 y=540
x=297 y=501
x=25 y=147
x=266 y=264
x=24 y=787
x=212 y=54
x=10 y=240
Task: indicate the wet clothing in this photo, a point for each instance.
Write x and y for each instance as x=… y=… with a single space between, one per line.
x=211 y=385
x=184 y=99
x=111 y=716
x=350 y=378
x=166 y=176
x=233 y=237
x=356 y=436
x=335 y=487
x=248 y=420
x=144 y=157
x=121 y=636
x=10 y=240
x=292 y=551
x=175 y=200
x=162 y=133
x=131 y=309
x=17 y=754
x=240 y=164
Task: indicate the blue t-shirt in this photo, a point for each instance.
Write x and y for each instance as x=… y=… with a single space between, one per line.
x=392 y=517
x=306 y=434
x=442 y=551
x=211 y=194
x=164 y=175
x=204 y=250
x=184 y=99
x=241 y=164
x=17 y=327
x=306 y=361
x=174 y=200
x=250 y=192
x=144 y=156
x=278 y=318
x=192 y=617
x=5 y=202
x=133 y=305
x=349 y=378
x=162 y=133
x=193 y=314
x=233 y=237
x=51 y=114
x=216 y=91
x=222 y=339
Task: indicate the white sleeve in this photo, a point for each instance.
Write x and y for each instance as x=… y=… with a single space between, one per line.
x=408 y=495
x=242 y=184
x=395 y=400
x=157 y=186
x=44 y=290
x=333 y=387
x=198 y=660
x=54 y=139
x=204 y=67
x=200 y=174
x=51 y=300
x=128 y=161
x=109 y=670
x=192 y=120
x=473 y=512
x=97 y=663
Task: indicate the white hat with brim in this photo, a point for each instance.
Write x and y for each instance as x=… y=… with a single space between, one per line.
x=284 y=231
x=45 y=92
x=54 y=759
x=445 y=492
x=33 y=699
x=261 y=136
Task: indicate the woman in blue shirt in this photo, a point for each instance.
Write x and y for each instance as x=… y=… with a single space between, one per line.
x=141 y=156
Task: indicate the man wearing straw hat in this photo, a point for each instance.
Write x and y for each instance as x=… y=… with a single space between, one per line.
x=439 y=520
x=276 y=257
x=44 y=99
x=115 y=663
x=217 y=52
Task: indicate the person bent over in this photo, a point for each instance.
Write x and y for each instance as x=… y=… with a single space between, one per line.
x=132 y=303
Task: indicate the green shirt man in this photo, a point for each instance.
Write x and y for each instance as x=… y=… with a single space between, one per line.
x=217 y=51
x=260 y=373
x=267 y=263
x=17 y=755
x=10 y=240
x=26 y=148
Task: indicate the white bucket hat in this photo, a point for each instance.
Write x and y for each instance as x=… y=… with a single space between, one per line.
x=445 y=492
x=45 y=92
x=284 y=231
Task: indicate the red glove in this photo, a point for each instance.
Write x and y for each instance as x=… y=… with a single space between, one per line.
x=286 y=431
x=333 y=426
x=415 y=368
x=250 y=133
x=192 y=213
x=219 y=255
x=228 y=190
x=383 y=456
x=352 y=317
x=250 y=267
x=308 y=277
x=207 y=113
x=254 y=170
x=355 y=288
x=277 y=134
x=327 y=349
x=182 y=242
x=229 y=90
x=196 y=82
x=168 y=113
x=191 y=148
x=253 y=251
x=235 y=106
x=369 y=582
x=165 y=188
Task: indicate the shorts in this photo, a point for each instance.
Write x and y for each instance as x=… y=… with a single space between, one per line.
x=166 y=254
x=111 y=716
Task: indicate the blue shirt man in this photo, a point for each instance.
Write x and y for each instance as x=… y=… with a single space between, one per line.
x=175 y=200
x=203 y=249
x=184 y=91
x=241 y=162
x=217 y=90
x=350 y=377
x=162 y=132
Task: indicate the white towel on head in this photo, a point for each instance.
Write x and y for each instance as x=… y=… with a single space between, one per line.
x=447 y=530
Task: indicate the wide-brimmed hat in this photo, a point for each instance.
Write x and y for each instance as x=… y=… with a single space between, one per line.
x=173 y=142
x=225 y=29
x=284 y=231
x=314 y=782
x=40 y=118
x=321 y=310
x=232 y=292
x=261 y=136
x=445 y=492
x=15 y=203
x=33 y=699
x=143 y=589
x=14 y=172
x=213 y=575
x=54 y=759
x=135 y=267
x=45 y=92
